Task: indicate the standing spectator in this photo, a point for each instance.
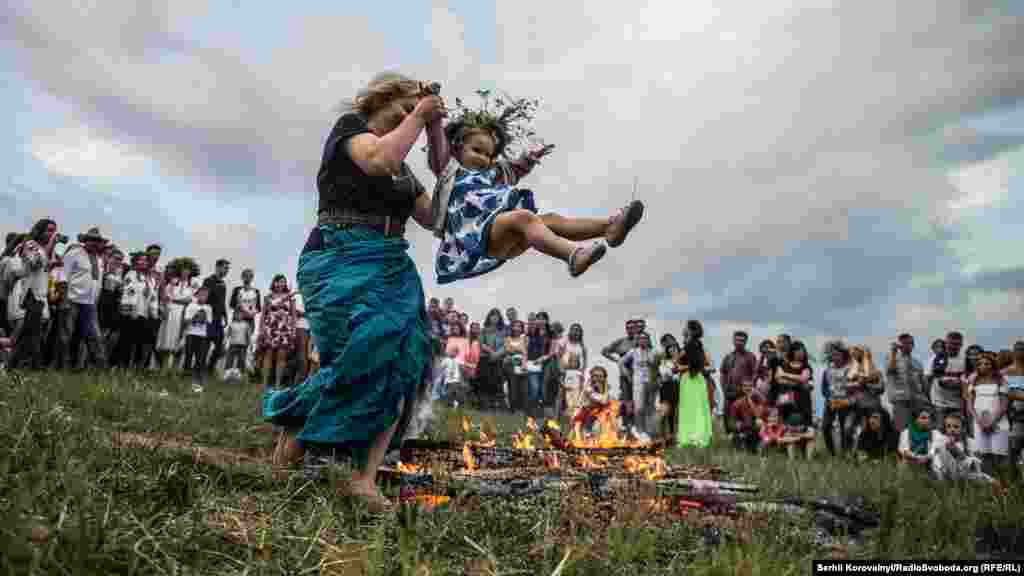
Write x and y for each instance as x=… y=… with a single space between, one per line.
x=988 y=400
x=1014 y=374
x=515 y=361
x=301 y=339
x=178 y=287
x=767 y=362
x=615 y=352
x=471 y=366
x=449 y=306
x=572 y=358
x=82 y=268
x=36 y=253
x=57 y=306
x=277 y=331
x=457 y=348
x=838 y=405
x=247 y=300
x=158 y=307
x=793 y=381
x=864 y=377
x=639 y=362
x=217 y=295
x=906 y=381
x=695 y=398
x=667 y=361
x=553 y=370
x=110 y=297
x=511 y=315
x=198 y=316
x=137 y=292
x=10 y=243
x=538 y=352
x=946 y=378
x=492 y=350
x=239 y=335
x=738 y=366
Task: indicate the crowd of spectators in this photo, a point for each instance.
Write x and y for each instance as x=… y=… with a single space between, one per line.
x=959 y=413
x=72 y=304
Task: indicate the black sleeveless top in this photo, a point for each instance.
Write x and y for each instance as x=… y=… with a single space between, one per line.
x=343 y=184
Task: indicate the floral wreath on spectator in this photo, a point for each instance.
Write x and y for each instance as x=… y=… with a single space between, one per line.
x=509 y=120
x=177 y=265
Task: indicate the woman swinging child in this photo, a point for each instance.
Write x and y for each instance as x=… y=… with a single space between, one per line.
x=482 y=220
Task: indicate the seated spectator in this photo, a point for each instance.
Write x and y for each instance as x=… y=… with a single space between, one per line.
x=594 y=400
x=772 y=431
x=746 y=413
x=951 y=460
x=873 y=441
x=918 y=442
x=799 y=436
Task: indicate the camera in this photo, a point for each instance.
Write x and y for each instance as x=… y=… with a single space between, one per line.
x=939 y=365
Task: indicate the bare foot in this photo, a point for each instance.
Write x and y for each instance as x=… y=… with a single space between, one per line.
x=584 y=257
x=623 y=222
x=366 y=492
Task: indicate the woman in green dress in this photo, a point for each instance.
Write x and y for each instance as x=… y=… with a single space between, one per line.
x=694 y=427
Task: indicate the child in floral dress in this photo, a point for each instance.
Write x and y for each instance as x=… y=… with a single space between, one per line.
x=483 y=220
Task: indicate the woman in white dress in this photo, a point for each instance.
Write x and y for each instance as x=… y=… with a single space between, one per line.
x=178 y=292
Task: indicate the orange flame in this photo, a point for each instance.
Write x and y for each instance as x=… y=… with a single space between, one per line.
x=429 y=501
x=651 y=467
x=409 y=468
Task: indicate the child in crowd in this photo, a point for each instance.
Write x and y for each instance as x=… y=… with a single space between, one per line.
x=772 y=432
x=451 y=375
x=918 y=442
x=746 y=413
x=198 y=316
x=799 y=437
x=482 y=219
x=951 y=460
x=239 y=337
x=988 y=401
x=873 y=441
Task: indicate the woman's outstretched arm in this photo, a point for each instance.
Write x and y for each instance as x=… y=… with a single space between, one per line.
x=438 y=152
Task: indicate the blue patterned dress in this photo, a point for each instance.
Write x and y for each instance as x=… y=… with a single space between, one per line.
x=477 y=197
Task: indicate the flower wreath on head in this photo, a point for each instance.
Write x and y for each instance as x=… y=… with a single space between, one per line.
x=509 y=120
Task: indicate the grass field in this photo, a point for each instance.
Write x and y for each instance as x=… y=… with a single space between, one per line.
x=74 y=502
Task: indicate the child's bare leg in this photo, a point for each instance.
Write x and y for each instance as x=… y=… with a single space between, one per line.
x=576 y=229
x=511 y=229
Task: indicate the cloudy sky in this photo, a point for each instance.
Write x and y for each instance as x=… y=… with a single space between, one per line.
x=818 y=168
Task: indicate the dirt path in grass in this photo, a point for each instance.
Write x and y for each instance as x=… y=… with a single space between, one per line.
x=183 y=444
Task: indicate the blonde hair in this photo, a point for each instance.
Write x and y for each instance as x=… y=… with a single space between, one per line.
x=384 y=88
x=865 y=366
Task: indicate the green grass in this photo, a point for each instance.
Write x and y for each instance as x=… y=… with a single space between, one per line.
x=74 y=503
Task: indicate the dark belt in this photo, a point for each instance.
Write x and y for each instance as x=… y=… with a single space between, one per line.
x=391 y=226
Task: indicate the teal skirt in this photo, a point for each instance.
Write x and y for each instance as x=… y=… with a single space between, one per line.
x=367 y=316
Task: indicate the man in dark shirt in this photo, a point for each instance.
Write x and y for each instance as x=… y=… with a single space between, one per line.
x=738 y=366
x=218 y=292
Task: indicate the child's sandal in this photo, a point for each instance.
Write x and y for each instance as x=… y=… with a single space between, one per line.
x=623 y=222
x=590 y=254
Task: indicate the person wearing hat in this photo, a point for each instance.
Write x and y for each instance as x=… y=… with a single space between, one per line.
x=84 y=273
